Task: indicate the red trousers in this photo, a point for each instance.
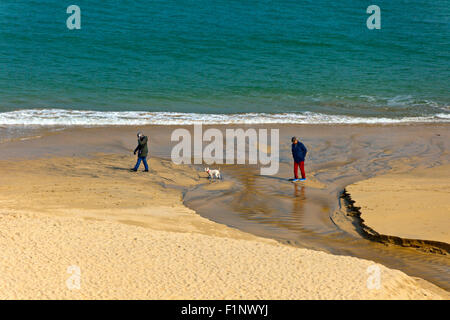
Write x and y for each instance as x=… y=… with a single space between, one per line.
x=302 y=169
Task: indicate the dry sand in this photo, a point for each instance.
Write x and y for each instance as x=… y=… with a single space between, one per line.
x=412 y=205
x=131 y=238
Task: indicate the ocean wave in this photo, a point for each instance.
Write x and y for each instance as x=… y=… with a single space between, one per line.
x=62 y=117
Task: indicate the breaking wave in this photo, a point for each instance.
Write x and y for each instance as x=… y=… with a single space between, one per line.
x=55 y=117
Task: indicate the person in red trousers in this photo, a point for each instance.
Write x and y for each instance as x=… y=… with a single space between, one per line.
x=299 y=153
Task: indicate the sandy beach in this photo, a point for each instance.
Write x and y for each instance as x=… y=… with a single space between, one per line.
x=68 y=200
x=413 y=204
x=132 y=238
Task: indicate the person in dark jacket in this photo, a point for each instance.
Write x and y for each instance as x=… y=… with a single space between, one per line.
x=142 y=151
x=298 y=152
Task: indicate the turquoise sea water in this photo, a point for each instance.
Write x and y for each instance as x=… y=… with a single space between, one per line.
x=296 y=60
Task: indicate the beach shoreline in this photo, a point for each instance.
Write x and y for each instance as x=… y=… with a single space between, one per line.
x=80 y=176
x=90 y=91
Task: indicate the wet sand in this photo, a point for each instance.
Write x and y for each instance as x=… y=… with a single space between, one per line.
x=303 y=215
x=310 y=216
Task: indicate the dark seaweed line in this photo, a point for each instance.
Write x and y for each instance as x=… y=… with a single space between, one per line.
x=428 y=246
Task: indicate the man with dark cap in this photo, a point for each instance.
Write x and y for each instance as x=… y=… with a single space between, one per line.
x=298 y=152
x=142 y=151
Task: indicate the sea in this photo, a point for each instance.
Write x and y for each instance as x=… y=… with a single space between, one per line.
x=223 y=61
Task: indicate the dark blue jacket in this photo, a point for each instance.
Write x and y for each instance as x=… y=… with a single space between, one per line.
x=299 y=151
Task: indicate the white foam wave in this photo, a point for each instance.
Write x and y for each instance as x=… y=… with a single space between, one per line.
x=61 y=117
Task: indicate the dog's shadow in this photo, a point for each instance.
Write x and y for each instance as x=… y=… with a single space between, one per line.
x=211 y=180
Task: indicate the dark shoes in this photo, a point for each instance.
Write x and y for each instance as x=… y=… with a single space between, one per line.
x=135 y=170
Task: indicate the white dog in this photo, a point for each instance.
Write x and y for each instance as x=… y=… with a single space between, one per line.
x=213 y=173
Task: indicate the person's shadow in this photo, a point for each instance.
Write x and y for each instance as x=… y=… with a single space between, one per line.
x=118 y=168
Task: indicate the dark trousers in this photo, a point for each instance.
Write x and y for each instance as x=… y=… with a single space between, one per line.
x=138 y=163
x=302 y=169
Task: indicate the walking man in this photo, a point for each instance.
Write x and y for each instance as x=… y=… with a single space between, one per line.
x=142 y=150
x=298 y=152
